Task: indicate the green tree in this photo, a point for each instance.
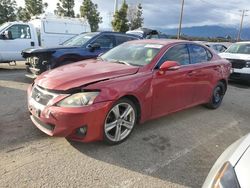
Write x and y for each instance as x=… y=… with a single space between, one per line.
x=7 y=11
x=120 y=21
x=32 y=8
x=137 y=21
x=23 y=14
x=89 y=11
x=65 y=8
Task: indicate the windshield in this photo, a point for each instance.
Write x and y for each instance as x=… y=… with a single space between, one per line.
x=239 y=48
x=2 y=27
x=132 y=53
x=79 y=40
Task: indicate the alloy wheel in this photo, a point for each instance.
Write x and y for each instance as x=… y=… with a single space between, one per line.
x=218 y=95
x=119 y=122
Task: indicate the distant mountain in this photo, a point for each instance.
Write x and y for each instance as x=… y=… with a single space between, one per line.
x=210 y=31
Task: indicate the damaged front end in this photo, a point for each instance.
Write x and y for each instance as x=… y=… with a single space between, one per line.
x=37 y=63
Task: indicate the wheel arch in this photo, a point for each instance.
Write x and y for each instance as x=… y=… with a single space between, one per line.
x=225 y=84
x=135 y=100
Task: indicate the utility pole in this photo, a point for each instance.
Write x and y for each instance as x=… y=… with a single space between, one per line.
x=180 y=22
x=115 y=6
x=241 y=23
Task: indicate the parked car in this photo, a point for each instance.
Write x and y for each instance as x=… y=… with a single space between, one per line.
x=147 y=33
x=239 y=55
x=218 y=47
x=80 y=47
x=232 y=167
x=103 y=98
x=44 y=31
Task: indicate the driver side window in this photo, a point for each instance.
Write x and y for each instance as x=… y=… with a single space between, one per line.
x=177 y=53
x=19 y=32
x=105 y=41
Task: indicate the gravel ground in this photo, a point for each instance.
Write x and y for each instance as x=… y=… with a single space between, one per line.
x=174 y=151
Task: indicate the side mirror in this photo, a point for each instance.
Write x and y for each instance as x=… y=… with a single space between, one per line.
x=6 y=35
x=2 y=36
x=169 y=66
x=93 y=47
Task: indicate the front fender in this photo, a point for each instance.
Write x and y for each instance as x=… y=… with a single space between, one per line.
x=138 y=85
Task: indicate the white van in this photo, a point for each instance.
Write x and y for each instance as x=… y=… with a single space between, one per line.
x=44 y=31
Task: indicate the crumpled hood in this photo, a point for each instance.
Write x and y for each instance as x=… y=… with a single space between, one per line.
x=29 y=51
x=82 y=73
x=235 y=56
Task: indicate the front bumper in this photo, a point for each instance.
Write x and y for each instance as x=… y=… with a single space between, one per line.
x=64 y=122
x=240 y=74
x=32 y=72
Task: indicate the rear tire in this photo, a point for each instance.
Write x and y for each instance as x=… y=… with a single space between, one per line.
x=217 y=96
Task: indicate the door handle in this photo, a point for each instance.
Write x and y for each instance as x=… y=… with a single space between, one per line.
x=32 y=43
x=191 y=73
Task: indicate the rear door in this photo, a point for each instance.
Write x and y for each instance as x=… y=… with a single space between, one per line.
x=203 y=73
x=21 y=39
x=173 y=90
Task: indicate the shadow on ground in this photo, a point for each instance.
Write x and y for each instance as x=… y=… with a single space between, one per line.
x=170 y=148
x=240 y=84
x=16 y=127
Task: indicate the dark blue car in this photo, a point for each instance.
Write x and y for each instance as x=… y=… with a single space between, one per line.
x=80 y=47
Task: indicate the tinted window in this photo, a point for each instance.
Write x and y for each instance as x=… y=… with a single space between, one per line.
x=198 y=54
x=19 y=32
x=122 y=39
x=220 y=48
x=177 y=53
x=105 y=41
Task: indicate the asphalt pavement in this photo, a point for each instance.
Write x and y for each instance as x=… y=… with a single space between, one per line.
x=173 y=151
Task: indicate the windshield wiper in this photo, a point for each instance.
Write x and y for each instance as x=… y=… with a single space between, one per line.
x=120 y=62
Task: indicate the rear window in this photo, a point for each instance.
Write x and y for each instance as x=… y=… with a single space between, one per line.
x=198 y=54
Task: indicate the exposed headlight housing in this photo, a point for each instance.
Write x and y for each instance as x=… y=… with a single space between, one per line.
x=226 y=177
x=78 y=99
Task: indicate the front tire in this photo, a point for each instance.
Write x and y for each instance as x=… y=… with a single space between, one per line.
x=217 y=96
x=120 y=121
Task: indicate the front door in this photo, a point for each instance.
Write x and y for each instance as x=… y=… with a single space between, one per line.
x=20 y=39
x=106 y=43
x=173 y=90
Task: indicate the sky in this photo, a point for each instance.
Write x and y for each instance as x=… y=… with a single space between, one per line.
x=166 y=13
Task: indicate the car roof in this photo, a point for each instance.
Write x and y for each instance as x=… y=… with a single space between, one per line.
x=243 y=42
x=120 y=33
x=112 y=32
x=161 y=41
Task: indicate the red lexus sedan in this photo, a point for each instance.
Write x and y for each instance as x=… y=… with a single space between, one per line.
x=104 y=98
